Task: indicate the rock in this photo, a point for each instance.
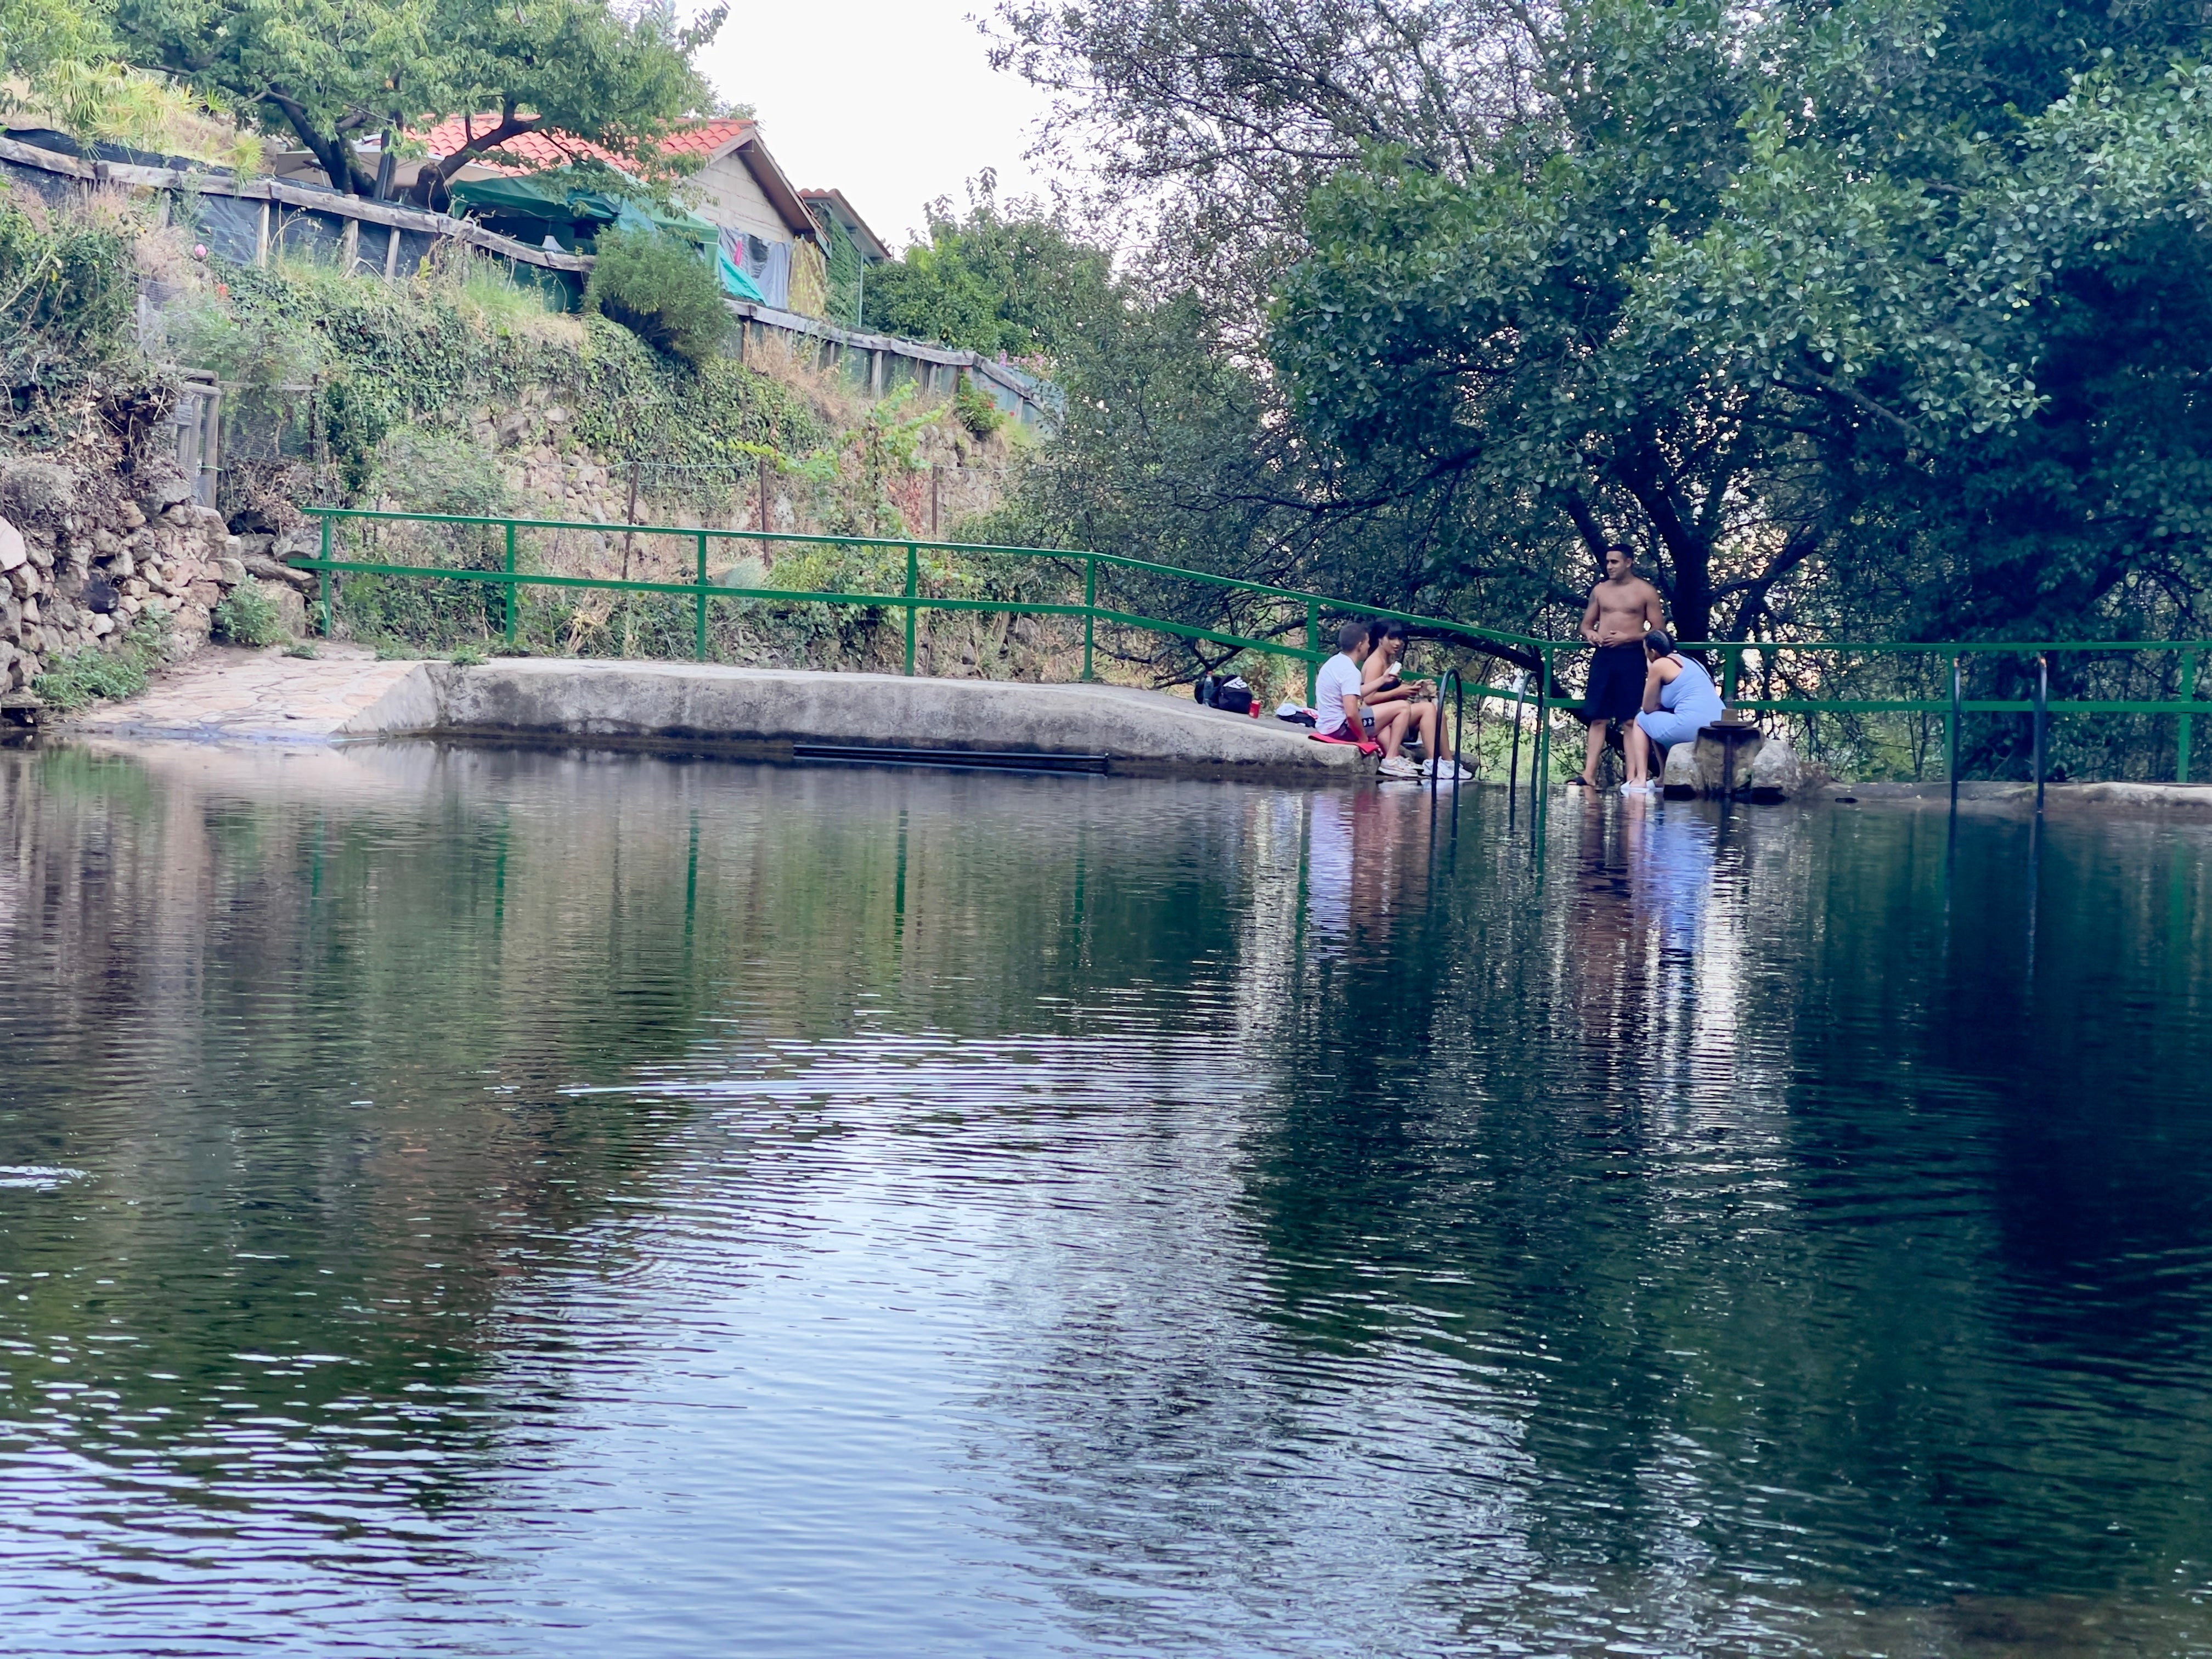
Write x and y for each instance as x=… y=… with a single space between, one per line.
x=291 y=606
x=229 y=572
x=1701 y=768
x=269 y=570
x=36 y=489
x=244 y=546
x=164 y=490
x=206 y=593
x=1776 y=772
x=102 y=626
x=123 y=567
x=1714 y=772
x=133 y=516
x=19 y=580
x=106 y=544
x=1678 y=781
x=31 y=612
x=13 y=552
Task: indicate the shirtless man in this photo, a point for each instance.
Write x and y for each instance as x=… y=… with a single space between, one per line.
x=1620 y=608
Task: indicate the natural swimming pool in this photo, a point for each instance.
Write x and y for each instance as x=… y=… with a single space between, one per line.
x=486 y=1203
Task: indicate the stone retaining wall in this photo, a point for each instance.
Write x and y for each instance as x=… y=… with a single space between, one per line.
x=84 y=555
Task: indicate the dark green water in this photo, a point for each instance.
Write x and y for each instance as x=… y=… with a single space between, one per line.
x=503 y=1204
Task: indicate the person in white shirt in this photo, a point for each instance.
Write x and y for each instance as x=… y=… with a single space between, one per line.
x=1339 y=711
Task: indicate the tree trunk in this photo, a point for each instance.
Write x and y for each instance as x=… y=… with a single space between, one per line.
x=1692 y=598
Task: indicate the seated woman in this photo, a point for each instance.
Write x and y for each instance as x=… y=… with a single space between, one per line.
x=1678 y=697
x=1399 y=708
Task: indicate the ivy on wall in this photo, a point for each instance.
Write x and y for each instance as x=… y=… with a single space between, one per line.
x=435 y=355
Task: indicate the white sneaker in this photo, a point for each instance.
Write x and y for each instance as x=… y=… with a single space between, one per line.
x=1397 y=766
x=1646 y=787
x=1449 y=771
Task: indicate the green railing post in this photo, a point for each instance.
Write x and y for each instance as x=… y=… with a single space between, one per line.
x=1090 y=609
x=510 y=587
x=1313 y=651
x=1540 y=785
x=2188 y=695
x=1951 y=732
x=699 y=643
x=913 y=592
x=1731 y=673
x=323 y=586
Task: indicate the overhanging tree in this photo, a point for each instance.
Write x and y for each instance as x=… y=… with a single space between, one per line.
x=1864 y=316
x=328 y=73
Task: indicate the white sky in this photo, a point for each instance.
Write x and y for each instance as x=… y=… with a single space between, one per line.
x=892 y=101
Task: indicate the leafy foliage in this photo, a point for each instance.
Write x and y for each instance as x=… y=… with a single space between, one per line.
x=1013 y=280
x=419 y=358
x=330 y=72
x=246 y=616
x=118 y=670
x=1760 y=291
x=845 y=273
x=67 y=285
x=976 y=409
x=661 y=291
x=1875 y=317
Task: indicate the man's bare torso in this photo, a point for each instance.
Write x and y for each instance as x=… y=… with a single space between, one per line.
x=1622 y=607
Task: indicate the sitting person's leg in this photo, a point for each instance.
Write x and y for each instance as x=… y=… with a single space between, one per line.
x=1390 y=721
x=1639 y=746
x=1426 y=725
x=1663 y=730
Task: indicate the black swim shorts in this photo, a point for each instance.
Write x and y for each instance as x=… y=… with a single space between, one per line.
x=1616 y=682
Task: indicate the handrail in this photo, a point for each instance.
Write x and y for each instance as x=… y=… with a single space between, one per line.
x=919 y=545
x=1545 y=653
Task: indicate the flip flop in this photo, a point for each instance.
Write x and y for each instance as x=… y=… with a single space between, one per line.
x=1578 y=781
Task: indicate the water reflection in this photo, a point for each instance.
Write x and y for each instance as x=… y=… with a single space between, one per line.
x=455 y=1202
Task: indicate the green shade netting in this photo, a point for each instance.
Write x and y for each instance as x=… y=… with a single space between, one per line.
x=737 y=284
x=555 y=200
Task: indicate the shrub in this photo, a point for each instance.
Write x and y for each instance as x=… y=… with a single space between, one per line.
x=662 y=291
x=976 y=409
x=248 y=616
x=119 y=671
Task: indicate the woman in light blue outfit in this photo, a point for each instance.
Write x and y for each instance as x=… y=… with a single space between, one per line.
x=1678 y=697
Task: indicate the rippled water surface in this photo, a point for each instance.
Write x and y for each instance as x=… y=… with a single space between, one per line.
x=489 y=1204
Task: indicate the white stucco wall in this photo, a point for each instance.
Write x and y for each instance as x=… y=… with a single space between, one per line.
x=726 y=195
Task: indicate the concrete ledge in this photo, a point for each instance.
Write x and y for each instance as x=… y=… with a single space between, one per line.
x=1987 y=797
x=684 y=707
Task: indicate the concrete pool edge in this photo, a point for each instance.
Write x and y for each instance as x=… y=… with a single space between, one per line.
x=1986 y=796
x=759 y=712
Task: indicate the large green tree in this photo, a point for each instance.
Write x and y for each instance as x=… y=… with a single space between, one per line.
x=1008 y=278
x=330 y=73
x=1777 y=301
x=1863 y=316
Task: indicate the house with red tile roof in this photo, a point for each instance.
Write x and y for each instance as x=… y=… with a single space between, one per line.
x=766 y=231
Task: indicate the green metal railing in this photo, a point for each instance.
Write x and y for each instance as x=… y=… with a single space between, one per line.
x=913 y=601
x=1544 y=656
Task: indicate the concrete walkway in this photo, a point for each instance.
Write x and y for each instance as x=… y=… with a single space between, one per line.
x=345 y=695
x=223 y=694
